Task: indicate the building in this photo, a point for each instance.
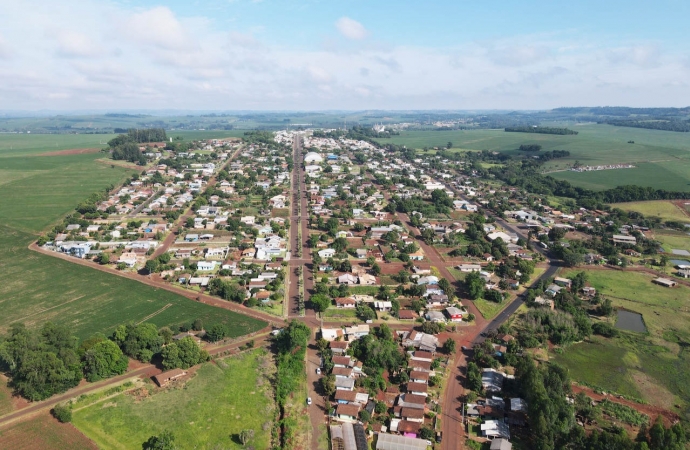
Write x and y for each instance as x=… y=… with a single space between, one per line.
x=387 y=441
x=469 y=268
x=501 y=444
x=665 y=282
x=168 y=377
x=454 y=313
x=347 y=412
x=495 y=429
x=313 y=157
x=624 y=239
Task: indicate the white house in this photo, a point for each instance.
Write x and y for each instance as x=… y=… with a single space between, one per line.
x=327 y=253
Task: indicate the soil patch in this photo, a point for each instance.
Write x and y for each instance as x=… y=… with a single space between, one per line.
x=72 y=151
x=44 y=432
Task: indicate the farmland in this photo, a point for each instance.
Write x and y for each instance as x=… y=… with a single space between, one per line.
x=651 y=366
x=662 y=158
x=665 y=210
x=37 y=288
x=43 y=432
x=208 y=412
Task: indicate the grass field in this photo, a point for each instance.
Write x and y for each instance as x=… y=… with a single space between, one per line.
x=38 y=288
x=659 y=208
x=663 y=157
x=208 y=412
x=653 y=366
x=44 y=432
x=487 y=308
x=671 y=239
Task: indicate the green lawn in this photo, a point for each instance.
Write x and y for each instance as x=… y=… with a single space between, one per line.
x=659 y=208
x=36 y=288
x=341 y=312
x=671 y=239
x=600 y=363
x=487 y=308
x=208 y=412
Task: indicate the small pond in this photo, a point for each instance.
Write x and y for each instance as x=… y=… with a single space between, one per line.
x=630 y=321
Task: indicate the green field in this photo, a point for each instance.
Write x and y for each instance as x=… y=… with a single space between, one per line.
x=663 y=157
x=653 y=366
x=487 y=308
x=671 y=239
x=36 y=288
x=660 y=208
x=208 y=412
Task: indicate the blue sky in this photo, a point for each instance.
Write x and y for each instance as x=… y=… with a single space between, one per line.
x=351 y=54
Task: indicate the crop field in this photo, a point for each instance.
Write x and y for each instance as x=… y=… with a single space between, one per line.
x=663 y=209
x=652 y=366
x=210 y=410
x=43 y=432
x=663 y=157
x=37 y=288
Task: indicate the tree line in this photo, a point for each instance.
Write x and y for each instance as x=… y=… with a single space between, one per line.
x=125 y=146
x=540 y=130
x=682 y=126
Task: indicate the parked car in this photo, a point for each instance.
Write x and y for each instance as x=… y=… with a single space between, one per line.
x=308 y=400
x=318 y=371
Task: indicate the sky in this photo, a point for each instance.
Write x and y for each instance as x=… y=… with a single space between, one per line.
x=342 y=54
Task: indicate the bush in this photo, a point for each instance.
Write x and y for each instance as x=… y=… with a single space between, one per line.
x=62 y=413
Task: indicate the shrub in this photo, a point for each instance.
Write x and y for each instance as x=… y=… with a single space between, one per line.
x=62 y=413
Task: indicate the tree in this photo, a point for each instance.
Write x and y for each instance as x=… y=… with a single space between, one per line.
x=152 y=265
x=606 y=307
x=376 y=269
x=320 y=302
x=62 y=413
x=449 y=346
x=572 y=259
x=447 y=288
x=164 y=441
x=104 y=360
x=328 y=384
x=246 y=436
x=197 y=325
x=364 y=415
x=183 y=354
x=364 y=312
x=426 y=433
x=104 y=258
x=217 y=332
x=475 y=285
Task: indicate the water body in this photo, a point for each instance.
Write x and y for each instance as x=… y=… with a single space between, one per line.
x=630 y=321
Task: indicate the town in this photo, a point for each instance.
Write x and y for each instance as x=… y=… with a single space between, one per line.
x=421 y=281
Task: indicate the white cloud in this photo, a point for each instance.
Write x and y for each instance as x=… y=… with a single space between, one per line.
x=5 y=51
x=351 y=29
x=116 y=56
x=158 y=27
x=74 y=44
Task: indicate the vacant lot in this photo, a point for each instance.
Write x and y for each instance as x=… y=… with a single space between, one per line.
x=663 y=209
x=36 y=288
x=44 y=432
x=209 y=411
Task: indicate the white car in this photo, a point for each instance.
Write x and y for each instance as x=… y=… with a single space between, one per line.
x=318 y=371
x=308 y=400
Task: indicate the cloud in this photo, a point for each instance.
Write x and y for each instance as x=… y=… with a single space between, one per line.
x=519 y=55
x=72 y=44
x=639 y=55
x=351 y=29
x=5 y=50
x=158 y=27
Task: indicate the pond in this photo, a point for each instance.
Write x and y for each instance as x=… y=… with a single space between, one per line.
x=630 y=321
